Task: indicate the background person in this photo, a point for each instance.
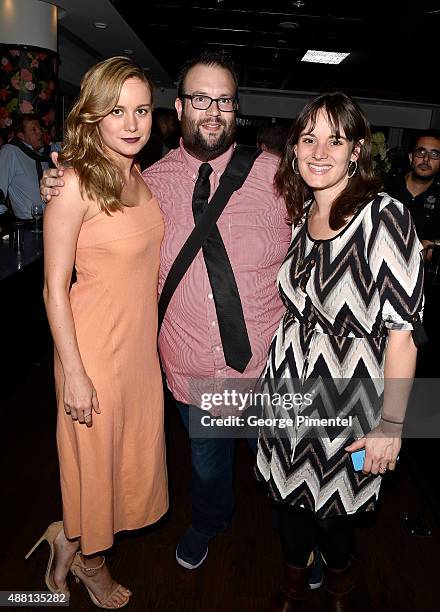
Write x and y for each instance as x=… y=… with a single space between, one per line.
x=272 y=138
x=419 y=188
x=22 y=162
x=163 y=138
x=108 y=381
x=352 y=285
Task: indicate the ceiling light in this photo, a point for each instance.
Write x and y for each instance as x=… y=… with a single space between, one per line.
x=128 y=51
x=298 y=3
x=288 y=25
x=100 y=25
x=324 y=57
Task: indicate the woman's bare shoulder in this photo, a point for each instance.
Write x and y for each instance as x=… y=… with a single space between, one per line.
x=71 y=182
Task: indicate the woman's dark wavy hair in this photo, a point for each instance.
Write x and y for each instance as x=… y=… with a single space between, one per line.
x=344 y=115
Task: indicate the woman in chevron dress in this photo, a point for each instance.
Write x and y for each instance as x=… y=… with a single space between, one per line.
x=352 y=286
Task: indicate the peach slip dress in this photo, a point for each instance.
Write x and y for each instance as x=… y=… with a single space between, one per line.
x=113 y=475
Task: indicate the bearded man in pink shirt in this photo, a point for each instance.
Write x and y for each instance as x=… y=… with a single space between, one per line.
x=256 y=237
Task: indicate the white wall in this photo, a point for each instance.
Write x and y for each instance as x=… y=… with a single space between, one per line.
x=288 y=105
x=28 y=22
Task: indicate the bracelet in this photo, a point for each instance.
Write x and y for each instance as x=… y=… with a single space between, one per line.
x=390 y=421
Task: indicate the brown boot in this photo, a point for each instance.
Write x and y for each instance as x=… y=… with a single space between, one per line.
x=339 y=586
x=294 y=588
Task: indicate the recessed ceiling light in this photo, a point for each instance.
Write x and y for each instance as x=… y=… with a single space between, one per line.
x=100 y=25
x=288 y=25
x=324 y=57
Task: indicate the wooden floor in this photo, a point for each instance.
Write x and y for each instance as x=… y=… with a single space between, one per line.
x=395 y=572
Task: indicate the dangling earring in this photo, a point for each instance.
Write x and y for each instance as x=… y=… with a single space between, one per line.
x=295 y=169
x=355 y=168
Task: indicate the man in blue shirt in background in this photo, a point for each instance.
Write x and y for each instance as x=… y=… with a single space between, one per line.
x=22 y=162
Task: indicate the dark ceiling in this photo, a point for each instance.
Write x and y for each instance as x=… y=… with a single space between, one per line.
x=394 y=44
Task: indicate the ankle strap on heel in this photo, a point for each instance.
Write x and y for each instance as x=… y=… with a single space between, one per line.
x=88 y=571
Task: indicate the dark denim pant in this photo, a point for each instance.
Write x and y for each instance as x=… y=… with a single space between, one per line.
x=212 y=464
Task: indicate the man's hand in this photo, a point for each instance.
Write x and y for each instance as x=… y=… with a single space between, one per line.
x=51 y=179
x=427 y=253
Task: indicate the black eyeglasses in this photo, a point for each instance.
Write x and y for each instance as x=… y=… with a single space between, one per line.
x=432 y=153
x=199 y=102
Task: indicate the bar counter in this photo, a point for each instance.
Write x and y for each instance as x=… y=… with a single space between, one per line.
x=12 y=260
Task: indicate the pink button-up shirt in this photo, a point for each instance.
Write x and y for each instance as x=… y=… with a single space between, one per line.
x=256 y=237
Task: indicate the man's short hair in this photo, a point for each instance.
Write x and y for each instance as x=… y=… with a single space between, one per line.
x=18 y=124
x=274 y=136
x=424 y=134
x=207 y=58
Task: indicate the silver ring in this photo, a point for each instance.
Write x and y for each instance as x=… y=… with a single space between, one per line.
x=383 y=469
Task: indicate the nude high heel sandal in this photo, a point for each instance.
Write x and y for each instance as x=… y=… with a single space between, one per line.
x=50 y=535
x=92 y=571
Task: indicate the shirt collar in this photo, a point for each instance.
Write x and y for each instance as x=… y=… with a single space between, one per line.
x=192 y=164
x=40 y=150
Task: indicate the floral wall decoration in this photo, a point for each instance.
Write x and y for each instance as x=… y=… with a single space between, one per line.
x=28 y=84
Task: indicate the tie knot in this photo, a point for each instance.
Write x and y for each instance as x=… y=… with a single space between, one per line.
x=204 y=171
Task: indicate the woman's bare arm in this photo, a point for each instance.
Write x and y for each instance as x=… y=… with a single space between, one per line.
x=62 y=223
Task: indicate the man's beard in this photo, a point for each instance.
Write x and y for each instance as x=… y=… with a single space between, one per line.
x=203 y=148
x=426 y=178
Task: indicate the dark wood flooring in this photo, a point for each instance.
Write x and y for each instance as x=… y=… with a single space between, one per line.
x=395 y=572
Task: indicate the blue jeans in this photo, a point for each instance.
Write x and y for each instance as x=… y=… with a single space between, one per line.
x=212 y=464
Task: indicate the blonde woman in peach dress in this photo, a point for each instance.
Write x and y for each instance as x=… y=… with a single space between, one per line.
x=109 y=388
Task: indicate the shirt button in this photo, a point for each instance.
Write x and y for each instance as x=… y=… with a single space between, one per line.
x=210 y=296
x=213 y=323
x=312 y=262
x=218 y=348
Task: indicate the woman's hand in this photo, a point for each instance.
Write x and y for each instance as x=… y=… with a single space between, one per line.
x=381 y=451
x=80 y=398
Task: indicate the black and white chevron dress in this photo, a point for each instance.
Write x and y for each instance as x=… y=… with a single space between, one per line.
x=342 y=296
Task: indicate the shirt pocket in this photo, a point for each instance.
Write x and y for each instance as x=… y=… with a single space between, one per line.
x=255 y=239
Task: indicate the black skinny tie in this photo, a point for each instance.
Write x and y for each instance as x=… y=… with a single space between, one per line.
x=232 y=326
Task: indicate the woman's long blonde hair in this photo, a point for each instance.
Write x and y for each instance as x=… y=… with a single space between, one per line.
x=99 y=177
